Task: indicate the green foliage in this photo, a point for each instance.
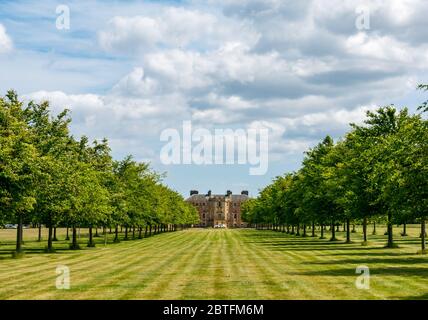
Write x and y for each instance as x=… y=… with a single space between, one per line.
x=48 y=177
x=378 y=171
x=424 y=105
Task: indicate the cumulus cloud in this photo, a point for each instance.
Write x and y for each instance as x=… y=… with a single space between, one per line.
x=6 y=44
x=299 y=68
x=132 y=124
x=136 y=84
x=172 y=28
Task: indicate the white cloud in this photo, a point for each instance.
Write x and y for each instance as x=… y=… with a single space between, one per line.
x=300 y=68
x=173 y=28
x=136 y=84
x=384 y=48
x=128 y=33
x=232 y=62
x=6 y=44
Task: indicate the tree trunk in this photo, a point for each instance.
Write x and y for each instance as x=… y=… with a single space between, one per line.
x=150 y=231
x=298 y=230
x=67 y=237
x=96 y=233
x=390 y=243
x=353 y=228
x=365 y=230
x=116 y=234
x=133 y=232
x=54 y=235
x=404 y=234
x=19 y=235
x=333 y=232
x=423 y=235
x=40 y=233
x=105 y=235
x=50 y=239
x=126 y=233
x=348 y=231
x=322 y=232
x=304 y=230
x=145 y=232
x=313 y=229
x=74 y=245
x=91 y=240
x=374 y=228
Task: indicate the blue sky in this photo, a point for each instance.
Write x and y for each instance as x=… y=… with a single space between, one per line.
x=302 y=69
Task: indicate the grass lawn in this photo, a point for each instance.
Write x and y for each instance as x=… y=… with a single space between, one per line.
x=216 y=264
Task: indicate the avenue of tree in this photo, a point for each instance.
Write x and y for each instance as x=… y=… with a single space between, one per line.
x=378 y=172
x=47 y=177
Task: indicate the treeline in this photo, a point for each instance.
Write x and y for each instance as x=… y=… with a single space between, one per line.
x=47 y=177
x=377 y=172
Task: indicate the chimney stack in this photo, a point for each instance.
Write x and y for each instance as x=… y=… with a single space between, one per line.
x=244 y=192
x=192 y=192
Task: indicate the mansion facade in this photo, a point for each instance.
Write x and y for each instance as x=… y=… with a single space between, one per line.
x=219 y=209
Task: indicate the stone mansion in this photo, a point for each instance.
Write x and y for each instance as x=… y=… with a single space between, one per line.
x=217 y=209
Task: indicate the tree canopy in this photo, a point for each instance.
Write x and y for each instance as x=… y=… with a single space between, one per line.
x=377 y=171
x=49 y=177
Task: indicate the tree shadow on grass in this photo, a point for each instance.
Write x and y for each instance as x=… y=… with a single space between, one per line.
x=375 y=254
x=312 y=245
x=370 y=260
x=296 y=243
x=292 y=243
x=326 y=248
x=420 y=297
x=379 y=271
x=7 y=253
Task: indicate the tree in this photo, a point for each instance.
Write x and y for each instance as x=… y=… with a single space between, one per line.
x=379 y=126
x=319 y=195
x=52 y=140
x=407 y=175
x=18 y=168
x=424 y=105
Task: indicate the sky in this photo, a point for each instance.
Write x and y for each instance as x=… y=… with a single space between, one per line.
x=300 y=69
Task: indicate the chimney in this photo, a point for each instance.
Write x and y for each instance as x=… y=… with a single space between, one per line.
x=228 y=193
x=209 y=193
x=244 y=192
x=192 y=192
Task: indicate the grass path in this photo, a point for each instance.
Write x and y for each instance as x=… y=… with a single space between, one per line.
x=216 y=264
